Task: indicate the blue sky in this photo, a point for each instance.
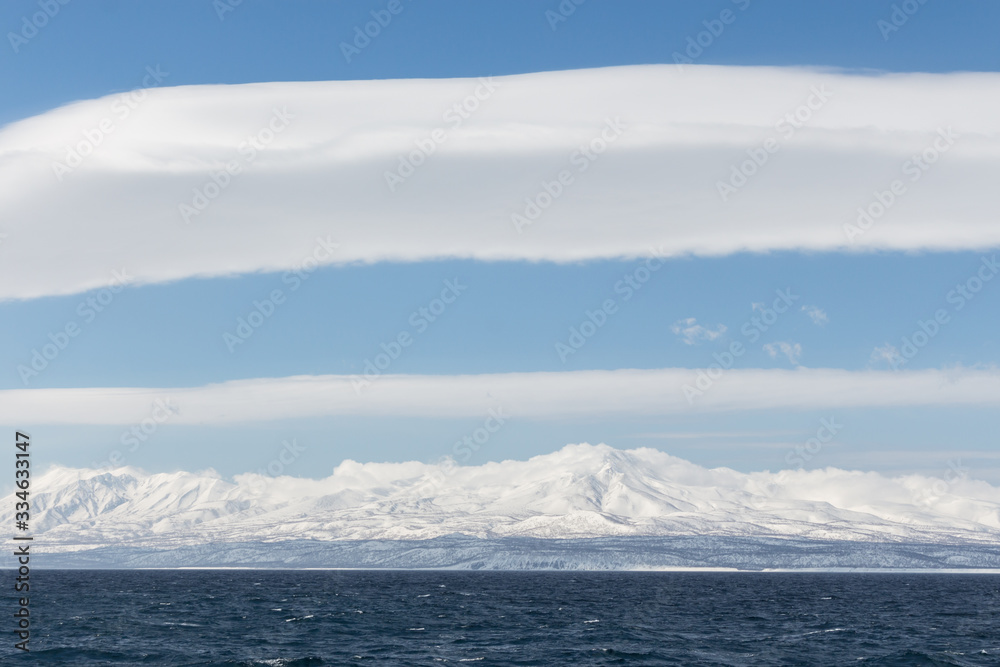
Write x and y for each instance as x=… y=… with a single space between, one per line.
x=511 y=314
x=509 y=319
x=92 y=49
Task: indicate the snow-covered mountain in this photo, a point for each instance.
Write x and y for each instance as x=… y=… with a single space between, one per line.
x=591 y=498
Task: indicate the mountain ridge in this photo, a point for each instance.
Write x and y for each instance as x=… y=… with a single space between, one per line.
x=580 y=492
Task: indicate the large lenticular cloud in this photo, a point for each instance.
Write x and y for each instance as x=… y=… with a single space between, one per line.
x=619 y=162
x=540 y=395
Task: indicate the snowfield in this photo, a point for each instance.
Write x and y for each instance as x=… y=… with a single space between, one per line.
x=584 y=506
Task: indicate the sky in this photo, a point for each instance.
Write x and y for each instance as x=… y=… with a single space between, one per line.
x=119 y=295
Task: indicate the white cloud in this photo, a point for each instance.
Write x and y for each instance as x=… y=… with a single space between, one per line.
x=693 y=333
x=692 y=435
x=887 y=353
x=791 y=350
x=324 y=175
x=816 y=314
x=520 y=395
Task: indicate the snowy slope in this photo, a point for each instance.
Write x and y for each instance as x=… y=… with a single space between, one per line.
x=579 y=492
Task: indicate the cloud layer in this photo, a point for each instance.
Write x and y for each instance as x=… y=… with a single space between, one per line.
x=519 y=395
x=606 y=163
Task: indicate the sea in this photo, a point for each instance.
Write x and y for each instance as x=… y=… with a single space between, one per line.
x=378 y=617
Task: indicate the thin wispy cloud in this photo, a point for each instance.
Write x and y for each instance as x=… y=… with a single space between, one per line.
x=791 y=351
x=816 y=314
x=712 y=435
x=538 y=395
x=885 y=354
x=693 y=333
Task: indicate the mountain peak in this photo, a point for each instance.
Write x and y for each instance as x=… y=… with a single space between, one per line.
x=580 y=490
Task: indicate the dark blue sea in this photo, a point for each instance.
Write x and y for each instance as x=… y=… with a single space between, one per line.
x=280 y=617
